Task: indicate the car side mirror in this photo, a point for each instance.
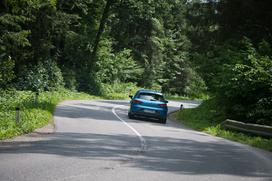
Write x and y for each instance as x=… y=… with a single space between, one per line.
x=130 y=96
x=166 y=101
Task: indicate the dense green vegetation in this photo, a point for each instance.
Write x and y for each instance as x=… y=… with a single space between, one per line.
x=84 y=44
x=102 y=47
x=207 y=118
x=231 y=50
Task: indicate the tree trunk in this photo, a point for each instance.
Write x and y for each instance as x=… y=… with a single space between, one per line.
x=3 y=7
x=101 y=27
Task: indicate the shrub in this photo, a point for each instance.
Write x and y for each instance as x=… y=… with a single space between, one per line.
x=6 y=70
x=69 y=78
x=33 y=78
x=118 y=90
x=41 y=77
x=262 y=112
x=196 y=87
x=245 y=84
x=55 y=79
x=118 y=66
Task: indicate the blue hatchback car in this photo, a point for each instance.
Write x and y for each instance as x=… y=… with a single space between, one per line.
x=146 y=103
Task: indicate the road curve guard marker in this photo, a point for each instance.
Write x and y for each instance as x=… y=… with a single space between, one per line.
x=255 y=129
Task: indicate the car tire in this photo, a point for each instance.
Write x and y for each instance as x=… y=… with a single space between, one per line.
x=163 y=120
x=130 y=116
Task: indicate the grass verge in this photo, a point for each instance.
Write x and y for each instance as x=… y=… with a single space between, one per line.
x=178 y=97
x=207 y=118
x=32 y=115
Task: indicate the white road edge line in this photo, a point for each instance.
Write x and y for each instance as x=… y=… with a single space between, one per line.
x=142 y=140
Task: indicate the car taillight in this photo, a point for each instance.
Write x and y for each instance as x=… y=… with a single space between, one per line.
x=163 y=105
x=137 y=102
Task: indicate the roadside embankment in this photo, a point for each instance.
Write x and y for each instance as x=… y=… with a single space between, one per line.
x=207 y=118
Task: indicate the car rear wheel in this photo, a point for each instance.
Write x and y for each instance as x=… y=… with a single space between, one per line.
x=130 y=116
x=163 y=120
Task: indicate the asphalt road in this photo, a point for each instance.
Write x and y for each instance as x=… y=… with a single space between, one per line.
x=94 y=140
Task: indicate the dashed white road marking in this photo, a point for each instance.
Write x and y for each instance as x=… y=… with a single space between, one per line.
x=142 y=140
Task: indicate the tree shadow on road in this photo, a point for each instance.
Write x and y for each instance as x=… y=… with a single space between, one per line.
x=165 y=154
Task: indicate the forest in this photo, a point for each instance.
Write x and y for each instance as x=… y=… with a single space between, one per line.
x=221 y=49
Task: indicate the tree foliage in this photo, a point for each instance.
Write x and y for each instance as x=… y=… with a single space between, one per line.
x=6 y=70
x=176 y=46
x=235 y=61
x=244 y=80
x=116 y=67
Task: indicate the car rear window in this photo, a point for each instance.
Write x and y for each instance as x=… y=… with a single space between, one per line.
x=151 y=97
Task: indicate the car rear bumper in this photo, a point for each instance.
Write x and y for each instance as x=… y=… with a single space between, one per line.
x=148 y=112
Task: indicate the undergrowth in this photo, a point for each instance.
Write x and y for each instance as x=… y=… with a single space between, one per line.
x=207 y=118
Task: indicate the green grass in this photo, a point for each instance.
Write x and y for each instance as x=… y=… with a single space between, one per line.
x=178 y=97
x=31 y=116
x=118 y=90
x=34 y=116
x=207 y=118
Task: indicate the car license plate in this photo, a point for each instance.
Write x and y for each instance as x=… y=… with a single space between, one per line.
x=148 y=111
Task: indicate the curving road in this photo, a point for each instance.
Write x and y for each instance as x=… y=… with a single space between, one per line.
x=94 y=140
